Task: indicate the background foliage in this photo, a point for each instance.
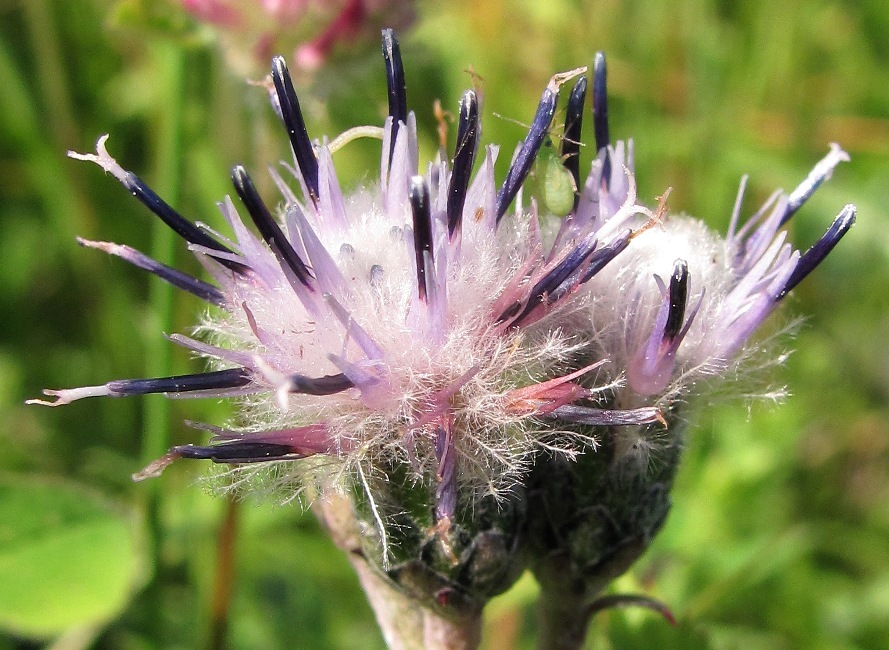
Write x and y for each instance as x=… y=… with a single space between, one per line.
x=779 y=537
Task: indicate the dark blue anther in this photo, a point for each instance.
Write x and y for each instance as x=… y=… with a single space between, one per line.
x=547 y=288
x=218 y=380
x=395 y=83
x=180 y=225
x=269 y=228
x=464 y=158
x=520 y=167
x=326 y=385
x=296 y=126
x=600 y=113
x=236 y=452
x=605 y=417
x=605 y=254
x=166 y=273
x=572 y=135
x=419 y=198
x=813 y=257
x=678 y=297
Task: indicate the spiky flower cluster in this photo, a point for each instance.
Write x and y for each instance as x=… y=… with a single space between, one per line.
x=420 y=331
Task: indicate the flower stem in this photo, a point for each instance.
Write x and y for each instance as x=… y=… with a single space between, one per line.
x=59 y=184
x=50 y=73
x=563 y=608
x=224 y=579
x=562 y=622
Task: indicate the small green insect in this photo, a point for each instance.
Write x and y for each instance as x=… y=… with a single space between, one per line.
x=556 y=185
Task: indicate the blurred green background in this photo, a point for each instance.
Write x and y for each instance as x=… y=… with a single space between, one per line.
x=779 y=537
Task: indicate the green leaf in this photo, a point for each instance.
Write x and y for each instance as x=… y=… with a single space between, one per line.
x=68 y=557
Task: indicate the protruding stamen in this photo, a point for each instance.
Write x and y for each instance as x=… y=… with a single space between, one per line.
x=550 y=282
x=464 y=157
x=813 y=257
x=396 y=84
x=543 y=118
x=820 y=173
x=605 y=254
x=217 y=380
x=547 y=396
x=419 y=198
x=678 y=296
x=207 y=381
x=326 y=385
x=254 y=447
x=296 y=126
x=575 y=269
x=651 y=368
x=175 y=277
x=235 y=452
x=446 y=490
x=571 y=137
x=137 y=187
x=600 y=113
x=269 y=228
x=606 y=417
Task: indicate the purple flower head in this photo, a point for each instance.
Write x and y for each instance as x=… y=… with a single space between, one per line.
x=436 y=326
x=690 y=300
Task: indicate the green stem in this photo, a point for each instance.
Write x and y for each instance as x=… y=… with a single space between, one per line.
x=47 y=139
x=225 y=577
x=562 y=622
x=51 y=77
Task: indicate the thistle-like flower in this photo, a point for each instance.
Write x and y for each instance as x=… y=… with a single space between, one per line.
x=480 y=379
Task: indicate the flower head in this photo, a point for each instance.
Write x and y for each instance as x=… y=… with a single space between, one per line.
x=424 y=337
